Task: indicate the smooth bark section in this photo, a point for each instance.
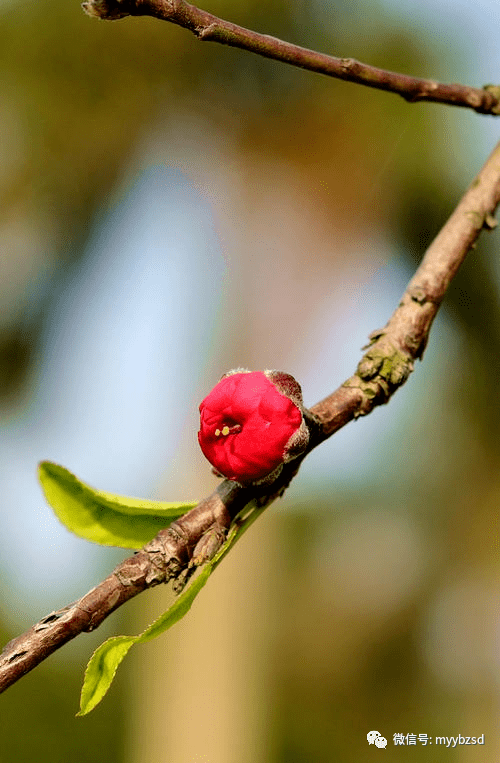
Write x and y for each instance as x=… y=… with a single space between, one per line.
x=208 y=27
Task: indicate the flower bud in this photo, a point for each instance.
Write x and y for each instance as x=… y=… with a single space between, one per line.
x=252 y=423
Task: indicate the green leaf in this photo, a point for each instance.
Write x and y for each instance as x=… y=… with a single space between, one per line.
x=111 y=520
x=103 y=664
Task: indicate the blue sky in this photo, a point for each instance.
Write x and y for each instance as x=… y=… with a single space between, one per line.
x=152 y=288
x=127 y=334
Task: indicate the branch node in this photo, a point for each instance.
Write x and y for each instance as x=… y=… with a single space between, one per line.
x=490 y=222
x=494 y=92
x=206 y=32
x=208 y=545
x=108 y=10
x=418 y=294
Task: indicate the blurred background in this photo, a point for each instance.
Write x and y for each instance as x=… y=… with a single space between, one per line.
x=171 y=210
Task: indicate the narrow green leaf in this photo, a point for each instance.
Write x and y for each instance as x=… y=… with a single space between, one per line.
x=103 y=664
x=111 y=520
x=101 y=670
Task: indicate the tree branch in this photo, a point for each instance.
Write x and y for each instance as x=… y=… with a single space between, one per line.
x=208 y=27
x=178 y=549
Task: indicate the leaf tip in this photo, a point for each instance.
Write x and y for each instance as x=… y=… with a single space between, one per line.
x=51 y=469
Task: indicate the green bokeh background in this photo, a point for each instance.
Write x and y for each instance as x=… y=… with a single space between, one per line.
x=78 y=96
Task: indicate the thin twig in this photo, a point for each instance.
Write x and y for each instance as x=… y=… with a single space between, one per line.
x=208 y=27
x=384 y=367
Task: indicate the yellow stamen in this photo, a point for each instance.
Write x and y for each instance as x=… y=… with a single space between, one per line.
x=217 y=432
x=225 y=430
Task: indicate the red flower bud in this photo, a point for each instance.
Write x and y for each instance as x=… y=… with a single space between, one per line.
x=251 y=423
